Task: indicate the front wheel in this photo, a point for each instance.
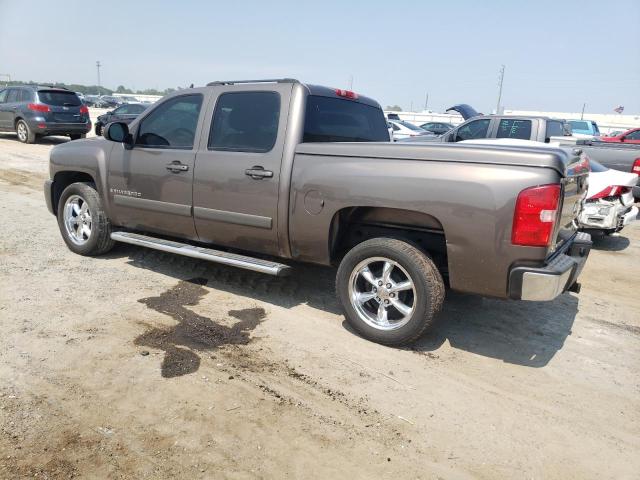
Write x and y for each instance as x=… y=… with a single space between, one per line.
x=83 y=223
x=390 y=290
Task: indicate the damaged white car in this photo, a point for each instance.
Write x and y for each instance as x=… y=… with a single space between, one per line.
x=610 y=204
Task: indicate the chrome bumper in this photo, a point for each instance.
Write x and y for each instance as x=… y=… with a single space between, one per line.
x=559 y=275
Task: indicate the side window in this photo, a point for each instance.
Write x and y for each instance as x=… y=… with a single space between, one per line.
x=245 y=122
x=3 y=96
x=472 y=130
x=554 y=129
x=514 y=128
x=12 y=97
x=121 y=110
x=634 y=135
x=172 y=124
x=25 y=96
x=395 y=127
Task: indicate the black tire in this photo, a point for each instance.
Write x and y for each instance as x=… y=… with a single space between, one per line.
x=98 y=129
x=25 y=134
x=78 y=136
x=99 y=241
x=428 y=294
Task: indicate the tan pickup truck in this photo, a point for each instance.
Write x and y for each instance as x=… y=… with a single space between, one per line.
x=259 y=174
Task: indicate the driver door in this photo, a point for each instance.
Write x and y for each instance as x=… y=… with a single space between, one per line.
x=150 y=186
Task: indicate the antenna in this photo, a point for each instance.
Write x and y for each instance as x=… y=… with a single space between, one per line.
x=500 y=89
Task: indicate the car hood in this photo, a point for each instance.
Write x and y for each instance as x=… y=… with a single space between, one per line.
x=598 y=181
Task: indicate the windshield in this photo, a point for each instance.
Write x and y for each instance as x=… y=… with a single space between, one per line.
x=59 y=99
x=336 y=120
x=410 y=126
x=579 y=126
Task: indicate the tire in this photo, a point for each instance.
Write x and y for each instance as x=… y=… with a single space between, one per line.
x=78 y=136
x=85 y=197
x=98 y=129
x=25 y=134
x=418 y=304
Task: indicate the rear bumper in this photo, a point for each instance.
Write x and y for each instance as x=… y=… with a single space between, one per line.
x=52 y=128
x=559 y=275
x=48 y=187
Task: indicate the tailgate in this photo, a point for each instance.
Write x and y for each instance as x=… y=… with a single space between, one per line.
x=574 y=188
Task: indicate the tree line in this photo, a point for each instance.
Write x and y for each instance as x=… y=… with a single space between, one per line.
x=95 y=89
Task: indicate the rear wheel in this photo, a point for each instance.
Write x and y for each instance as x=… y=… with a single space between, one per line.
x=390 y=290
x=25 y=134
x=83 y=223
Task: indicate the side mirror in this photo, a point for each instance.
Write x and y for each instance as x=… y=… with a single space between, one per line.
x=119 y=132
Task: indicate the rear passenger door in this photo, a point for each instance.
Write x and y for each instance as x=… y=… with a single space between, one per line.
x=5 y=112
x=237 y=171
x=8 y=109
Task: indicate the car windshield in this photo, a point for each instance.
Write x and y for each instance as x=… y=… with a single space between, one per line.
x=59 y=99
x=336 y=120
x=410 y=126
x=575 y=125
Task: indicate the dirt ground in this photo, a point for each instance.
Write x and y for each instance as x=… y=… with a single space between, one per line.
x=142 y=364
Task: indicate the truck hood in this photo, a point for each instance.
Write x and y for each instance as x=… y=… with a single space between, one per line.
x=467 y=111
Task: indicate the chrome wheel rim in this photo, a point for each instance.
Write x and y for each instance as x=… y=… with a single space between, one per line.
x=77 y=219
x=22 y=131
x=382 y=293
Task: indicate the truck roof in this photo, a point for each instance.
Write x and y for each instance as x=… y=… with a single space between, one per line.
x=317 y=90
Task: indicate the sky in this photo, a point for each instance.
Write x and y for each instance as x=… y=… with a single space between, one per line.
x=558 y=54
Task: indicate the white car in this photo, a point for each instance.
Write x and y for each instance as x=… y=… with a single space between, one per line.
x=403 y=129
x=609 y=205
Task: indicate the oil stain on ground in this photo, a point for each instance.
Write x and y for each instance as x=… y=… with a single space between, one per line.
x=193 y=333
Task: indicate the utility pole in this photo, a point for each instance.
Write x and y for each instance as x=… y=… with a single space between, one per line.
x=8 y=77
x=500 y=90
x=426 y=102
x=98 y=65
x=582 y=114
x=411 y=108
x=350 y=82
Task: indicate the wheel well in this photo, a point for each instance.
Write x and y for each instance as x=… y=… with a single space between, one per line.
x=15 y=122
x=62 y=180
x=351 y=226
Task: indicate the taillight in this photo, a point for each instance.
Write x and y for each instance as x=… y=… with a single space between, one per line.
x=347 y=94
x=84 y=109
x=535 y=215
x=38 y=107
x=636 y=166
x=611 y=191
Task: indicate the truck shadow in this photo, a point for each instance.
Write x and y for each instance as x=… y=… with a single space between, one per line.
x=609 y=243
x=523 y=333
x=41 y=140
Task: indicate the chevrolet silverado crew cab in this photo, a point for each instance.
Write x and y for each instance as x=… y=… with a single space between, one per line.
x=258 y=174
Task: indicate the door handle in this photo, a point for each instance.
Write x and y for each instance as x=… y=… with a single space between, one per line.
x=177 y=167
x=258 y=173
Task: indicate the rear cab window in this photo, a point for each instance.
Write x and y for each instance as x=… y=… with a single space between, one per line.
x=554 y=129
x=514 y=128
x=339 y=120
x=59 y=99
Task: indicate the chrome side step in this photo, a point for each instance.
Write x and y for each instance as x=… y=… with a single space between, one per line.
x=233 y=259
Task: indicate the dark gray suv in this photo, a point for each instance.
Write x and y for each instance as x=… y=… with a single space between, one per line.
x=34 y=111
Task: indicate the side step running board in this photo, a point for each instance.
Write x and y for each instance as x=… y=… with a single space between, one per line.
x=235 y=260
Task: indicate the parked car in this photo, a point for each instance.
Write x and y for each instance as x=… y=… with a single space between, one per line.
x=584 y=128
x=610 y=202
x=403 y=129
x=614 y=133
x=91 y=100
x=107 y=101
x=541 y=129
x=630 y=136
x=437 y=128
x=36 y=111
x=274 y=178
x=127 y=99
x=124 y=113
x=80 y=96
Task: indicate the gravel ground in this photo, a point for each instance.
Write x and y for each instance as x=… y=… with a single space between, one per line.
x=141 y=364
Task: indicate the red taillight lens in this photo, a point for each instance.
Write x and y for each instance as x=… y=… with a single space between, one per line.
x=84 y=109
x=611 y=191
x=535 y=216
x=346 y=94
x=38 y=107
x=636 y=166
